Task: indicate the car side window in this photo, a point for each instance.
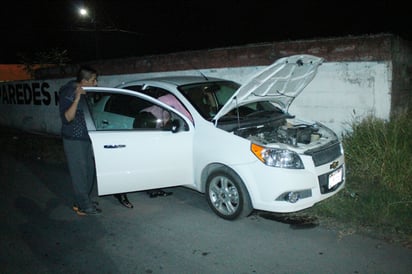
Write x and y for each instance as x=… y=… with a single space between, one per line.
x=113 y=111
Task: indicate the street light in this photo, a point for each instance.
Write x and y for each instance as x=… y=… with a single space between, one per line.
x=99 y=27
x=84 y=12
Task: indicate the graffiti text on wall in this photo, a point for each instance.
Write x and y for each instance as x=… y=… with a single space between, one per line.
x=34 y=93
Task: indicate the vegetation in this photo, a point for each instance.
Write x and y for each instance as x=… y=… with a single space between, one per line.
x=43 y=59
x=378 y=192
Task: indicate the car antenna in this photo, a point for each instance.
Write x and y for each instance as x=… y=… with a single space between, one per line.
x=203 y=75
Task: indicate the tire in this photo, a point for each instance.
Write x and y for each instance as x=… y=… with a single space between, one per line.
x=227 y=196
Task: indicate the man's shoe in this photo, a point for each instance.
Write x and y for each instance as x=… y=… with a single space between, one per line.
x=158 y=192
x=89 y=211
x=76 y=207
x=124 y=200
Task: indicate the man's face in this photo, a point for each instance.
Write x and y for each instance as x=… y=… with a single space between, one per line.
x=92 y=82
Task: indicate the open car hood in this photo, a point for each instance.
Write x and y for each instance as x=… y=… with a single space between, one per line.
x=279 y=83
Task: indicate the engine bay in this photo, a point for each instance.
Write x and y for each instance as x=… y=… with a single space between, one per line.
x=286 y=131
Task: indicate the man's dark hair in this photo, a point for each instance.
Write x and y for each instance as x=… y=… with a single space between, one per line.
x=85 y=72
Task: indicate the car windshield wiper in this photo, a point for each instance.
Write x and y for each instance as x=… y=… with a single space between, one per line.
x=264 y=113
x=230 y=118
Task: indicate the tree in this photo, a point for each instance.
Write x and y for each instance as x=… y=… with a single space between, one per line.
x=42 y=59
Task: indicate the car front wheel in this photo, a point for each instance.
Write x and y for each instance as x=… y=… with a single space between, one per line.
x=227 y=195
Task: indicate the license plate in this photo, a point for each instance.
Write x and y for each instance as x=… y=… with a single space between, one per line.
x=335 y=178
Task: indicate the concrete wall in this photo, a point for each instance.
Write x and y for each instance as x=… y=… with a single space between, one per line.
x=346 y=91
x=340 y=49
x=361 y=75
x=340 y=92
x=401 y=84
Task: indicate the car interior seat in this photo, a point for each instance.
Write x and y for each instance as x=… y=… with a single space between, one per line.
x=144 y=119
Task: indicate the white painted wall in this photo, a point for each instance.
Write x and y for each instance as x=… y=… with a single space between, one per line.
x=343 y=92
x=339 y=93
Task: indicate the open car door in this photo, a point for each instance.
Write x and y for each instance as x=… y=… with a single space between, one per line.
x=136 y=152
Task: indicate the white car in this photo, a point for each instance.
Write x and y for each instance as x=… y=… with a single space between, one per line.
x=236 y=143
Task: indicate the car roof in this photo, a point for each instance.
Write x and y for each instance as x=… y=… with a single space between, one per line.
x=177 y=80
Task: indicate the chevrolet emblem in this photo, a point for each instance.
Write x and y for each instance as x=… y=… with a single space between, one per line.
x=334 y=165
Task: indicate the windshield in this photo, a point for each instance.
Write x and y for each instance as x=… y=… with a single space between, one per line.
x=209 y=97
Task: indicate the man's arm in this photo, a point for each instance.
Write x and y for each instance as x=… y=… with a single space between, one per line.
x=70 y=113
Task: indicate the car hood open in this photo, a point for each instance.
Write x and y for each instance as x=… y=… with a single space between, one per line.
x=279 y=83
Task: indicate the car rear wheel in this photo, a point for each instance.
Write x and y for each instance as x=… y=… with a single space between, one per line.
x=227 y=195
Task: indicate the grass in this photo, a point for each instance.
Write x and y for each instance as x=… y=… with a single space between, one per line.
x=378 y=192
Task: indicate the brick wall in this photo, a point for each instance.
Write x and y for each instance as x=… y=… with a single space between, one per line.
x=350 y=48
x=382 y=47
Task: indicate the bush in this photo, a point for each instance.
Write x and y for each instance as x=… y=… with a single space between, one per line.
x=378 y=191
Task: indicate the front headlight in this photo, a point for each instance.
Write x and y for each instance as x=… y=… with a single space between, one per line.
x=277 y=157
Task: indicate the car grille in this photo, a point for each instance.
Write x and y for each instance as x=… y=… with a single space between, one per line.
x=325 y=154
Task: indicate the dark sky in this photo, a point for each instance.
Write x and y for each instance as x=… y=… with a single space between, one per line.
x=140 y=27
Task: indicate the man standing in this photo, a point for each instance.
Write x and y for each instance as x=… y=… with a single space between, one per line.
x=76 y=141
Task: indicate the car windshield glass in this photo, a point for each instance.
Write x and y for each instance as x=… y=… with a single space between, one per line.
x=209 y=97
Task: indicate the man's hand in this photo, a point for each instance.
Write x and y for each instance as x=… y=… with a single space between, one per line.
x=71 y=112
x=79 y=91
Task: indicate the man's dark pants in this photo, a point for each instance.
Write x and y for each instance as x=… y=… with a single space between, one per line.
x=79 y=155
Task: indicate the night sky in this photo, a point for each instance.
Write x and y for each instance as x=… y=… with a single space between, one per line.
x=119 y=29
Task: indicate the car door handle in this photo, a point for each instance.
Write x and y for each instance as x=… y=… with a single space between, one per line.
x=114 y=146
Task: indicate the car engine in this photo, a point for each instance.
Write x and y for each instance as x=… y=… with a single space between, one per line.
x=285 y=132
